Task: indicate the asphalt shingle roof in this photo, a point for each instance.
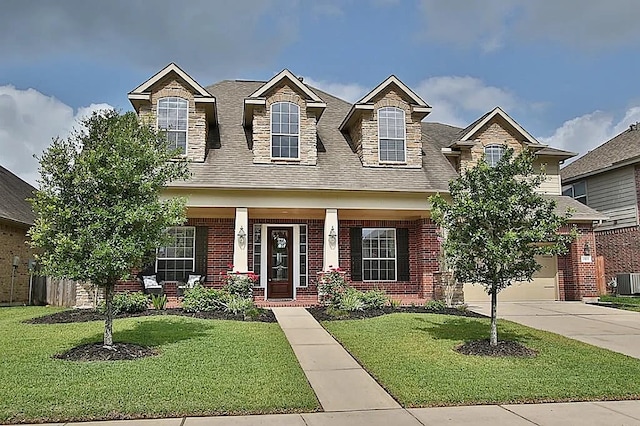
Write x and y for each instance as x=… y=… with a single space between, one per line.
x=230 y=163
x=13 y=198
x=622 y=148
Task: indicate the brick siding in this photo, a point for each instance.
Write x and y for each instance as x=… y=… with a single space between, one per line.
x=13 y=242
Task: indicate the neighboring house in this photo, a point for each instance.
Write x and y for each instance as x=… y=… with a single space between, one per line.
x=289 y=181
x=16 y=217
x=608 y=179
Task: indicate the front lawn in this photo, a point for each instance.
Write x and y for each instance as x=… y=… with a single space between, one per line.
x=628 y=303
x=413 y=357
x=205 y=367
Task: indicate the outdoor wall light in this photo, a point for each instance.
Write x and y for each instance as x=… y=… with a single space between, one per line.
x=242 y=237
x=587 y=249
x=332 y=237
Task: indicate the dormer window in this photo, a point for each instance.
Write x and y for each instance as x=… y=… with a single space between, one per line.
x=285 y=130
x=391 y=135
x=173 y=119
x=492 y=154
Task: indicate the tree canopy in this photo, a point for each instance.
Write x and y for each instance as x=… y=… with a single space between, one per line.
x=98 y=207
x=496 y=224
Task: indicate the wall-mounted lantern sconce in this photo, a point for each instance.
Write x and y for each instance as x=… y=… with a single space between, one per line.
x=332 y=237
x=586 y=249
x=242 y=237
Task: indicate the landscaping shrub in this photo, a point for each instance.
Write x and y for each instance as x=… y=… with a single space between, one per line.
x=373 y=299
x=240 y=285
x=351 y=300
x=435 y=305
x=201 y=299
x=236 y=304
x=126 y=302
x=159 y=302
x=332 y=285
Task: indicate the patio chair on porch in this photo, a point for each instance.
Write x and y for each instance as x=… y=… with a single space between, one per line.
x=189 y=282
x=151 y=282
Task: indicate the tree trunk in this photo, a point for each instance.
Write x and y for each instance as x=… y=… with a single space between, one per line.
x=494 y=318
x=108 y=321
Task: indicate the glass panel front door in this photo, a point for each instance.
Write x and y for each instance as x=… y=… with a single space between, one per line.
x=280 y=265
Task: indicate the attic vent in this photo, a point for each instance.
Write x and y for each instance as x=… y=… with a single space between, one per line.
x=634 y=126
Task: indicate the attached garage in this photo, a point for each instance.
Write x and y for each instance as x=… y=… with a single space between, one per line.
x=543 y=287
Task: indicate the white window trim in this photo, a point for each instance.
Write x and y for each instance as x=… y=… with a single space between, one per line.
x=193 y=259
x=493 y=145
x=395 y=238
x=404 y=136
x=271 y=134
x=186 y=131
x=573 y=191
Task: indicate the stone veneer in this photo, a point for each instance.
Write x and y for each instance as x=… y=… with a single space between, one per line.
x=197 y=126
x=307 y=143
x=494 y=132
x=14 y=242
x=364 y=134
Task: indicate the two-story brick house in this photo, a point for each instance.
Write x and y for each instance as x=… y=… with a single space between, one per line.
x=608 y=179
x=288 y=181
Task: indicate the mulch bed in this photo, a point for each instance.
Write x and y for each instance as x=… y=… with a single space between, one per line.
x=86 y=315
x=320 y=312
x=99 y=352
x=504 y=348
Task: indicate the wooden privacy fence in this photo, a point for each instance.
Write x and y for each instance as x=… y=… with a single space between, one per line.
x=61 y=292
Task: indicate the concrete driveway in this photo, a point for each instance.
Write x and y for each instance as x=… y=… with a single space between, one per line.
x=608 y=328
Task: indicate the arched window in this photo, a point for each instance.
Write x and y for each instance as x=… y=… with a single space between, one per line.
x=493 y=153
x=391 y=134
x=173 y=115
x=285 y=130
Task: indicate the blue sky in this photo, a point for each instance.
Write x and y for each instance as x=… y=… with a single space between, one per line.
x=565 y=70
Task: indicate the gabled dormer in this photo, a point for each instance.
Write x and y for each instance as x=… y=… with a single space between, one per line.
x=282 y=116
x=175 y=103
x=384 y=126
x=491 y=135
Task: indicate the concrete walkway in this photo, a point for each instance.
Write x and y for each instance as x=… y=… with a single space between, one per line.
x=339 y=382
x=609 y=328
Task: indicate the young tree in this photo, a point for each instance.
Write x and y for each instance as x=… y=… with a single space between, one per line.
x=497 y=223
x=98 y=212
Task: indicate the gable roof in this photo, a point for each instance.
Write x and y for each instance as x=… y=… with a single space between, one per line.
x=285 y=73
x=338 y=166
x=14 y=192
x=172 y=67
x=464 y=137
x=620 y=151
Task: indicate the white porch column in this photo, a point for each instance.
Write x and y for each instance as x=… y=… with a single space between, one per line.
x=241 y=244
x=331 y=243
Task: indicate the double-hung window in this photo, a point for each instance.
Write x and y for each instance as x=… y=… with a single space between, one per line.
x=285 y=130
x=577 y=191
x=391 y=134
x=177 y=259
x=173 y=120
x=379 y=254
x=493 y=154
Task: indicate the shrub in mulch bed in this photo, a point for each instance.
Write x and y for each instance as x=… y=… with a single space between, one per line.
x=325 y=313
x=85 y=315
x=504 y=348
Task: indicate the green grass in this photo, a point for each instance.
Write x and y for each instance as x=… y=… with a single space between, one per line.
x=205 y=367
x=627 y=303
x=413 y=357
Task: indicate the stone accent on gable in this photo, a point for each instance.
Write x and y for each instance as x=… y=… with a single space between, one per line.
x=307 y=143
x=494 y=132
x=198 y=127
x=364 y=134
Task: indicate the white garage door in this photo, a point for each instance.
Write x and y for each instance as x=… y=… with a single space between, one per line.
x=543 y=287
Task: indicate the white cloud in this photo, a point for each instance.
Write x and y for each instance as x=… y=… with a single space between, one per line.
x=28 y=122
x=350 y=92
x=492 y=24
x=583 y=134
x=460 y=100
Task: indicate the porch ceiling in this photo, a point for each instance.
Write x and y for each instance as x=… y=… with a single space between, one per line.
x=308 y=213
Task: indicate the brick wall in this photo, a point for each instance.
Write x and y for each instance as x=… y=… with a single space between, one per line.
x=13 y=242
x=424 y=249
x=577 y=279
x=621 y=250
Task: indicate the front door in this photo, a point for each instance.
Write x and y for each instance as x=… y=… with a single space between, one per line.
x=280 y=263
